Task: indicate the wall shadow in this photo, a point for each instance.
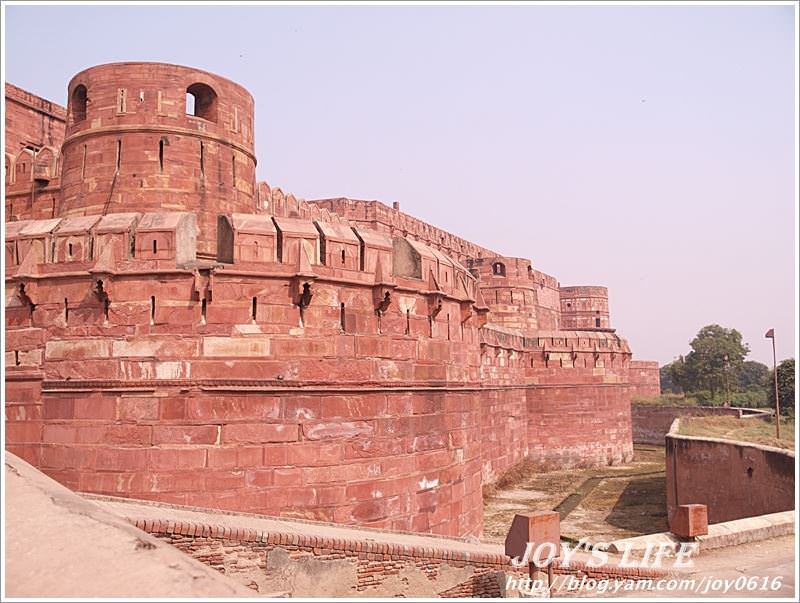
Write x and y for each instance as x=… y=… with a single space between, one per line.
x=642 y=506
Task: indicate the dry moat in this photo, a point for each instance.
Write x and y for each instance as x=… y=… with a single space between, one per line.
x=600 y=504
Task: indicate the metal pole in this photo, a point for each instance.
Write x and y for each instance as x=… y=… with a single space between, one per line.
x=727 y=383
x=777 y=399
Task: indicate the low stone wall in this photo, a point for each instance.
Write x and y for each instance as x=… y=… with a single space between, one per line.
x=651 y=422
x=296 y=559
x=733 y=479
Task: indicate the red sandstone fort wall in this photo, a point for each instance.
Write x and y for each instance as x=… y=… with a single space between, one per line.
x=178 y=334
x=34 y=134
x=32 y=120
x=211 y=388
x=645 y=379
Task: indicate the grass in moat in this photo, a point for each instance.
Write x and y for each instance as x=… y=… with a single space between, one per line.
x=599 y=504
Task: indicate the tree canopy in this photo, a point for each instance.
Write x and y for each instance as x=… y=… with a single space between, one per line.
x=717 y=355
x=753 y=374
x=785 y=386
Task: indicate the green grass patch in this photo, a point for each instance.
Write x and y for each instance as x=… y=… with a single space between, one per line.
x=666 y=400
x=757 y=431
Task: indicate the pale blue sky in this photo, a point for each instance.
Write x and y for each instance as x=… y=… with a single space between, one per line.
x=646 y=148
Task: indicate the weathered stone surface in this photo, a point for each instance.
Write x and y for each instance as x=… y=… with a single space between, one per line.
x=236 y=346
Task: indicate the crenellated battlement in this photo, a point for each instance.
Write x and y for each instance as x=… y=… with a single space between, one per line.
x=262 y=243
x=382 y=218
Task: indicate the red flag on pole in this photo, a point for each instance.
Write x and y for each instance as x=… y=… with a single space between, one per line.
x=770 y=334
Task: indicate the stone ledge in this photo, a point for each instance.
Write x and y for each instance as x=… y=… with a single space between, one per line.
x=727 y=533
x=749 y=529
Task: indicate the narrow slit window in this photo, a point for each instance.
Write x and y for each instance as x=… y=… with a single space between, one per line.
x=597 y=322
x=121 y=97
x=161 y=155
x=155 y=246
x=119 y=154
x=69 y=249
x=341 y=317
x=203 y=309
x=342 y=256
x=254 y=309
x=233 y=168
x=16 y=357
x=83 y=164
x=66 y=310
x=408 y=322
x=152 y=309
x=202 y=160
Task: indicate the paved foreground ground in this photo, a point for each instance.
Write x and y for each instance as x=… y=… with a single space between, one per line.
x=60 y=545
x=769 y=562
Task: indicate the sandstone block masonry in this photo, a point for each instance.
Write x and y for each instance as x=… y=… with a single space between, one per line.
x=177 y=332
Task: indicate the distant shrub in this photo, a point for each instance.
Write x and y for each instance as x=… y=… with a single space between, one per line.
x=705 y=398
x=752 y=397
x=666 y=399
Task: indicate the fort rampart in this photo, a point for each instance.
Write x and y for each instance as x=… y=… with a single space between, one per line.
x=177 y=332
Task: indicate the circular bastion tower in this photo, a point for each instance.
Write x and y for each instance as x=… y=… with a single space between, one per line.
x=585 y=308
x=158 y=137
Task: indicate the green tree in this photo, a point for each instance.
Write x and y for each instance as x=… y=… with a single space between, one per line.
x=668 y=385
x=717 y=354
x=679 y=375
x=753 y=374
x=785 y=387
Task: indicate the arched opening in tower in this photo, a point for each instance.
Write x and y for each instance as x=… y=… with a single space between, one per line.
x=78 y=103
x=201 y=101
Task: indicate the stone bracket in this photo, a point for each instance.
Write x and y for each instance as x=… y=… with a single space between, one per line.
x=434 y=304
x=26 y=291
x=203 y=285
x=304 y=295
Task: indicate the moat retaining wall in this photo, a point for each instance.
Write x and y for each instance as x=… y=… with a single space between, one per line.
x=733 y=479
